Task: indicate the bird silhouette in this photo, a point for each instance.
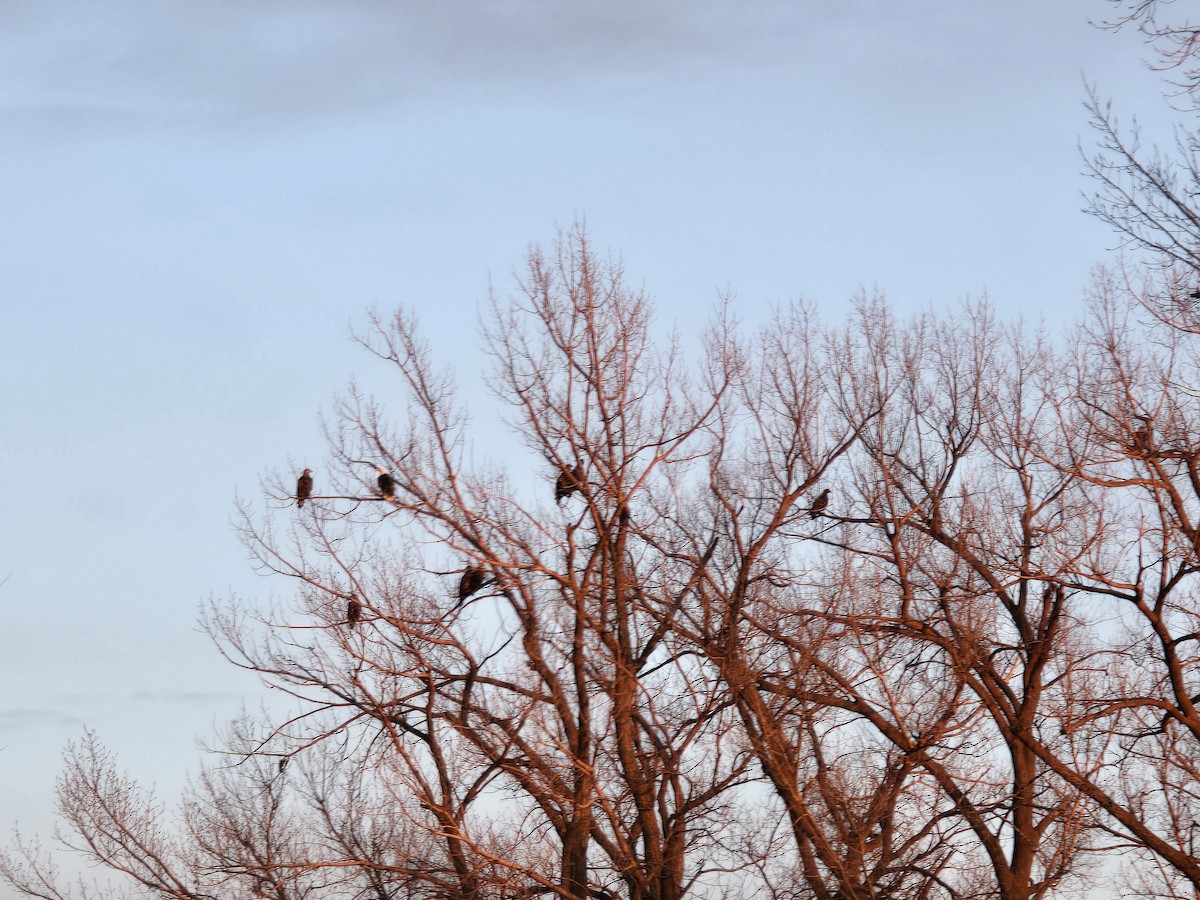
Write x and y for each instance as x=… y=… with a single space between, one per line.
x=353 y=611
x=471 y=581
x=819 y=505
x=304 y=486
x=387 y=484
x=1141 y=437
x=569 y=481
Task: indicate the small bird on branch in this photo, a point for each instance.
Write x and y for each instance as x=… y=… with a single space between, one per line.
x=819 y=505
x=472 y=580
x=304 y=486
x=353 y=611
x=569 y=481
x=387 y=484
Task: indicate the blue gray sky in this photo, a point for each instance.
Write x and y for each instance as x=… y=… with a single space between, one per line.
x=198 y=201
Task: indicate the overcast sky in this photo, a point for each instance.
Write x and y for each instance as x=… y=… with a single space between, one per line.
x=199 y=200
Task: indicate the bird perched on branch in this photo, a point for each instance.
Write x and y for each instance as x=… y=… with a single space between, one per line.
x=353 y=611
x=569 y=481
x=387 y=484
x=471 y=581
x=819 y=505
x=304 y=486
x=1141 y=435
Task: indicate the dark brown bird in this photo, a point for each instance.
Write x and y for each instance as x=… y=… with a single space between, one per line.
x=387 y=484
x=304 y=486
x=471 y=581
x=353 y=611
x=819 y=505
x=569 y=481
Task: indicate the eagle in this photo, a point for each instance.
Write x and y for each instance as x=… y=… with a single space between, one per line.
x=818 y=505
x=569 y=481
x=387 y=484
x=353 y=611
x=1141 y=437
x=304 y=487
x=471 y=581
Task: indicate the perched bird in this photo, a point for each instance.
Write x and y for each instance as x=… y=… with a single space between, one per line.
x=471 y=581
x=353 y=611
x=1141 y=437
x=304 y=487
x=387 y=484
x=818 y=505
x=569 y=481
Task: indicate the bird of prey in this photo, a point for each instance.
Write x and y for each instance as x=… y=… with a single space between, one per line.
x=387 y=484
x=818 y=505
x=353 y=611
x=471 y=581
x=1141 y=437
x=569 y=481
x=304 y=487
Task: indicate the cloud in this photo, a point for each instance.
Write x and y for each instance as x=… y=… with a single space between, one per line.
x=81 y=67
x=106 y=705
x=14 y=720
x=114 y=699
x=189 y=698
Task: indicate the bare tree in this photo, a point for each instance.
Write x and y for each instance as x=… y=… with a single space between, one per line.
x=875 y=611
x=1135 y=406
x=931 y=634
x=1147 y=194
x=1175 y=44
x=1133 y=439
x=550 y=677
x=1147 y=197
